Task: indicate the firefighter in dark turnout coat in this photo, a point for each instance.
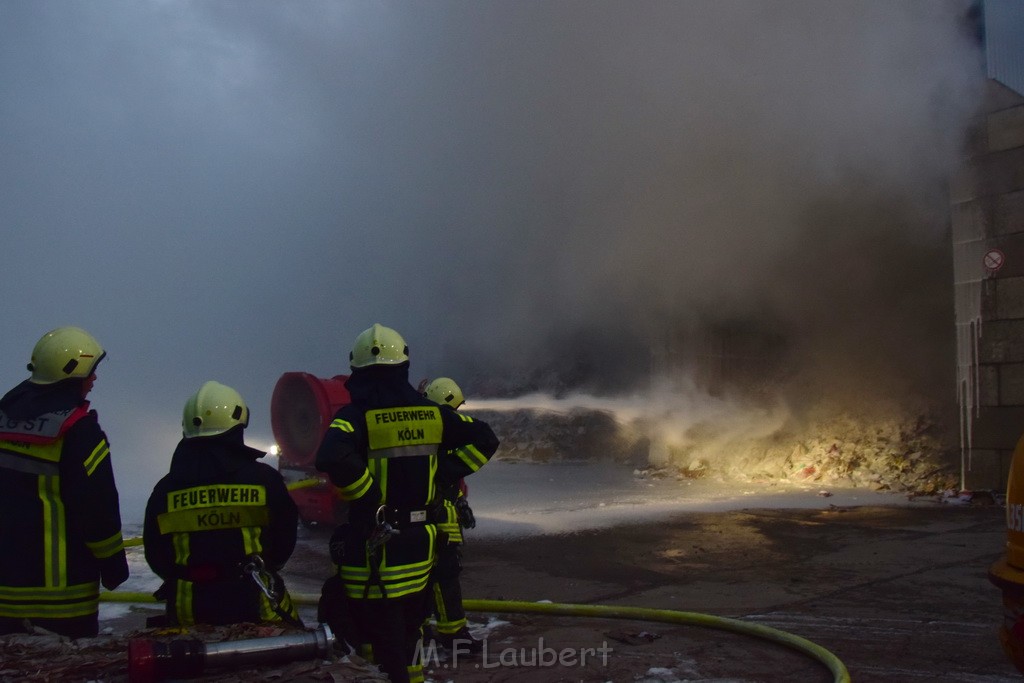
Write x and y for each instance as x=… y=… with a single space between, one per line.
x=60 y=524
x=388 y=451
x=218 y=517
x=446 y=589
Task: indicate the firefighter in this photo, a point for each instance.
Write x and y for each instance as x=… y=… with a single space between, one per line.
x=1007 y=573
x=450 y=617
x=60 y=524
x=383 y=451
x=220 y=525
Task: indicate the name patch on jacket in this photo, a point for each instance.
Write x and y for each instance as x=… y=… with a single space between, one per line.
x=40 y=427
x=220 y=506
x=404 y=431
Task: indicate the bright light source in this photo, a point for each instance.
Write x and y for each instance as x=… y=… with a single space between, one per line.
x=274 y=450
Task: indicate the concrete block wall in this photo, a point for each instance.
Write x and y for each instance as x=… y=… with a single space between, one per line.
x=987 y=199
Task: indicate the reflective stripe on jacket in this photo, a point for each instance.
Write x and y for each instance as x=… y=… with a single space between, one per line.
x=60 y=513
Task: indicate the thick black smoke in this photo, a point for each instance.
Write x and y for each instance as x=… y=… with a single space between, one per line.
x=536 y=194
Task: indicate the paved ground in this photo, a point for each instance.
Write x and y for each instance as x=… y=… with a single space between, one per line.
x=896 y=593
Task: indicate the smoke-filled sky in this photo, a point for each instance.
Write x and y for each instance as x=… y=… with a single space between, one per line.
x=230 y=190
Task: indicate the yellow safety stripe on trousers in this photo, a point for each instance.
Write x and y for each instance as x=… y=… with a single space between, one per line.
x=450 y=525
x=101 y=451
x=106 y=547
x=54 y=540
x=183 y=602
x=49 y=602
x=445 y=626
x=286 y=605
x=442 y=613
x=343 y=425
x=415 y=672
x=209 y=519
x=472 y=456
x=358 y=488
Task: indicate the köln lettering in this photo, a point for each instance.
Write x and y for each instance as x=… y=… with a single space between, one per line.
x=410 y=434
x=219 y=519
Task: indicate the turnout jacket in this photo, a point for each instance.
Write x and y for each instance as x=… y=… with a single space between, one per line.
x=60 y=522
x=393 y=447
x=214 y=510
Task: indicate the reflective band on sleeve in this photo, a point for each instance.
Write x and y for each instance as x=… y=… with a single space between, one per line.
x=216 y=495
x=358 y=488
x=106 y=547
x=472 y=456
x=464 y=417
x=207 y=519
x=101 y=451
x=343 y=425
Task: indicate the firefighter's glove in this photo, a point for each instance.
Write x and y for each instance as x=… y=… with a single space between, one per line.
x=113 y=570
x=466 y=518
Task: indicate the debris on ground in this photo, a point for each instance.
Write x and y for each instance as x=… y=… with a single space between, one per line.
x=44 y=657
x=909 y=453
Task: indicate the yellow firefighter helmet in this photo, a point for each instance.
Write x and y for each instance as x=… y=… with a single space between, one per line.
x=212 y=410
x=378 y=345
x=64 y=353
x=444 y=390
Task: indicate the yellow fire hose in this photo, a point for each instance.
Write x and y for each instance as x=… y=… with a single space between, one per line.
x=802 y=645
x=664 y=616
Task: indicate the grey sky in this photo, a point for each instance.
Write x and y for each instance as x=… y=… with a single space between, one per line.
x=230 y=190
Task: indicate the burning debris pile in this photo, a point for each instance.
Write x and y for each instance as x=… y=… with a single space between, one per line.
x=908 y=453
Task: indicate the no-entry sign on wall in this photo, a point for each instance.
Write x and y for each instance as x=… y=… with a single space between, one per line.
x=993 y=260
